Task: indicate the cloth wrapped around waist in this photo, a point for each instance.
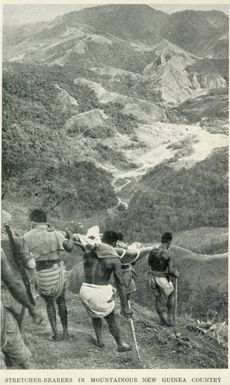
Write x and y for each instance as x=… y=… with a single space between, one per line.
x=50 y=282
x=160 y=282
x=43 y=265
x=155 y=273
x=97 y=299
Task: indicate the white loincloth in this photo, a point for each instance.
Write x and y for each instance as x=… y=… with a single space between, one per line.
x=162 y=284
x=98 y=300
x=50 y=282
x=165 y=285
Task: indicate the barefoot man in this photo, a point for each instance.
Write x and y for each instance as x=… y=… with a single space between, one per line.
x=160 y=278
x=48 y=246
x=97 y=293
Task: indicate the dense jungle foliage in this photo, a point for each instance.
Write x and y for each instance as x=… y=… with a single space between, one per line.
x=171 y=200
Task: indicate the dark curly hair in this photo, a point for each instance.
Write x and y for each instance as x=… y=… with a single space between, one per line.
x=38 y=215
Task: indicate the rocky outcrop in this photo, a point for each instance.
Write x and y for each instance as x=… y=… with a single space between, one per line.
x=167 y=72
x=68 y=103
x=207 y=81
x=87 y=120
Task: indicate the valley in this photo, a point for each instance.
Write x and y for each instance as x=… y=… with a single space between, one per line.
x=123 y=101
x=181 y=145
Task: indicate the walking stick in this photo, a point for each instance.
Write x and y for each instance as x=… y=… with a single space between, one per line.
x=134 y=335
x=175 y=309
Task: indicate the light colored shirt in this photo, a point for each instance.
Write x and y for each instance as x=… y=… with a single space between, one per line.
x=45 y=243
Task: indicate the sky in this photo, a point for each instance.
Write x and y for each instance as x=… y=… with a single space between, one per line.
x=21 y=14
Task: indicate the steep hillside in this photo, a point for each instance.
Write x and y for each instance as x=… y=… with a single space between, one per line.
x=202 y=286
x=204 y=240
x=159 y=349
x=208 y=66
x=164 y=193
x=211 y=109
x=76 y=46
x=138 y=108
x=203 y=33
x=88 y=92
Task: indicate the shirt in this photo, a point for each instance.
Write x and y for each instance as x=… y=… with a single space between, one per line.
x=45 y=243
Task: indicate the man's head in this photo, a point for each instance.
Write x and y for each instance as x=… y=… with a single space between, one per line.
x=110 y=237
x=167 y=239
x=38 y=216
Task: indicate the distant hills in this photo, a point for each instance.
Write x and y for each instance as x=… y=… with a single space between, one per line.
x=113 y=91
x=202 y=33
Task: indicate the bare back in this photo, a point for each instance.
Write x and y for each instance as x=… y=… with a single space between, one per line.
x=98 y=271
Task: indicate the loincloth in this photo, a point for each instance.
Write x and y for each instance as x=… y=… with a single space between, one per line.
x=98 y=300
x=50 y=282
x=160 y=284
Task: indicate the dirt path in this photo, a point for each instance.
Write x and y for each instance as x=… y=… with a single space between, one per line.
x=158 y=346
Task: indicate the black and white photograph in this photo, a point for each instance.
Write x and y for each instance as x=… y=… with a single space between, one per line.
x=114 y=186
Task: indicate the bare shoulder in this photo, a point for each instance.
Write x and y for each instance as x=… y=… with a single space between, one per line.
x=168 y=254
x=112 y=262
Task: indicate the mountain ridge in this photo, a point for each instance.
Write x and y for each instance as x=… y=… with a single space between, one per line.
x=163 y=101
x=137 y=24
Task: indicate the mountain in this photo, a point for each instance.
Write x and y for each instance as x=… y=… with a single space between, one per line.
x=204 y=34
x=131 y=22
x=156 y=70
x=195 y=31
x=80 y=45
x=128 y=75
x=200 y=32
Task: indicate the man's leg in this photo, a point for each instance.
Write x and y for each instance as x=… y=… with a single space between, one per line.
x=97 y=324
x=16 y=352
x=2 y=361
x=170 y=307
x=62 y=312
x=114 y=330
x=159 y=308
x=51 y=312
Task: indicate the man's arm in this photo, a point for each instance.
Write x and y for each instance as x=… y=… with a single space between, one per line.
x=143 y=252
x=16 y=287
x=68 y=241
x=171 y=271
x=133 y=255
x=27 y=258
x=117 y=272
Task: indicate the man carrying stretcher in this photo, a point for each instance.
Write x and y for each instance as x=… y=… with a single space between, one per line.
x=100 y=260
x=97 y=293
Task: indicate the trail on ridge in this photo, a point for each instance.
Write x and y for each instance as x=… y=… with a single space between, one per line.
x=158 y=346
